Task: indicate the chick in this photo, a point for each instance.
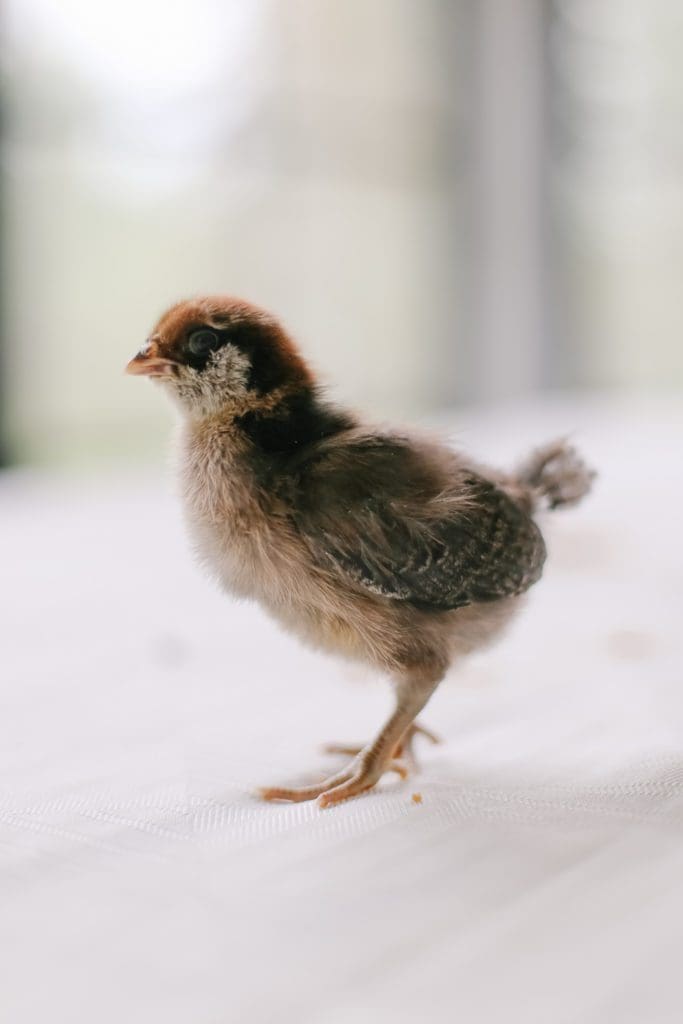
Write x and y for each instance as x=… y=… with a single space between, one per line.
x=384 y=547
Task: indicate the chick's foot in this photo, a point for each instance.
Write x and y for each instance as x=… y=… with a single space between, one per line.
x=361 y=775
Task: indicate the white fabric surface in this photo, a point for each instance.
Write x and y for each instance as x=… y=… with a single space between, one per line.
x=541 y=878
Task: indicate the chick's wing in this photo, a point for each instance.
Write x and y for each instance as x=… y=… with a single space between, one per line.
x=382 y=515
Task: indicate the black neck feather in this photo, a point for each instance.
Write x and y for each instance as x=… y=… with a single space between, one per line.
x=298 y=420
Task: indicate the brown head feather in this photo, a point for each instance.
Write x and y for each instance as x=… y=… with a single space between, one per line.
x=249 y=363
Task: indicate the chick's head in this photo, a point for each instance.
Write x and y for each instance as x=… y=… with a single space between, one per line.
x=218 y=354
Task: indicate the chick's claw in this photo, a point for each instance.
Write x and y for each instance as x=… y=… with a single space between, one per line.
x=358 y=778
x=298 y=795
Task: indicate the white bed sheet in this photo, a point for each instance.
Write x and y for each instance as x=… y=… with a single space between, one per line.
x=540 y=879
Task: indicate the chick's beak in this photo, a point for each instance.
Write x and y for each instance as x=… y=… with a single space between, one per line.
x=149 y=363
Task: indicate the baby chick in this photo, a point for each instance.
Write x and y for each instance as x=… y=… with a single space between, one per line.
x=384 y=547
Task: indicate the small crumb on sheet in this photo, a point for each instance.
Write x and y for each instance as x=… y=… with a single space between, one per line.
x=417 y=798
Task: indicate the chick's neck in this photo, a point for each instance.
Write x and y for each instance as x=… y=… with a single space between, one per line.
x=298 y=419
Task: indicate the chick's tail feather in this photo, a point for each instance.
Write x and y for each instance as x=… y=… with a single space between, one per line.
x=554 y=476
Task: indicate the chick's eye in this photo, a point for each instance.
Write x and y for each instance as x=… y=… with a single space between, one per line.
x=202 y=341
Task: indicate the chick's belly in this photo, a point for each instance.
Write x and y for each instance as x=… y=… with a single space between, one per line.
x=320 y=630
x=296 y=600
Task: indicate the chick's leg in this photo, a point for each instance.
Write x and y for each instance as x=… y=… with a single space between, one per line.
x=403 y=750
x=367 y=768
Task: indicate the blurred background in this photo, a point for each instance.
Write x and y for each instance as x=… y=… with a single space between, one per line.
x=446 y=202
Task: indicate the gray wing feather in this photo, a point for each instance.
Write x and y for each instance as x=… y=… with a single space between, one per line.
x=375 y=515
